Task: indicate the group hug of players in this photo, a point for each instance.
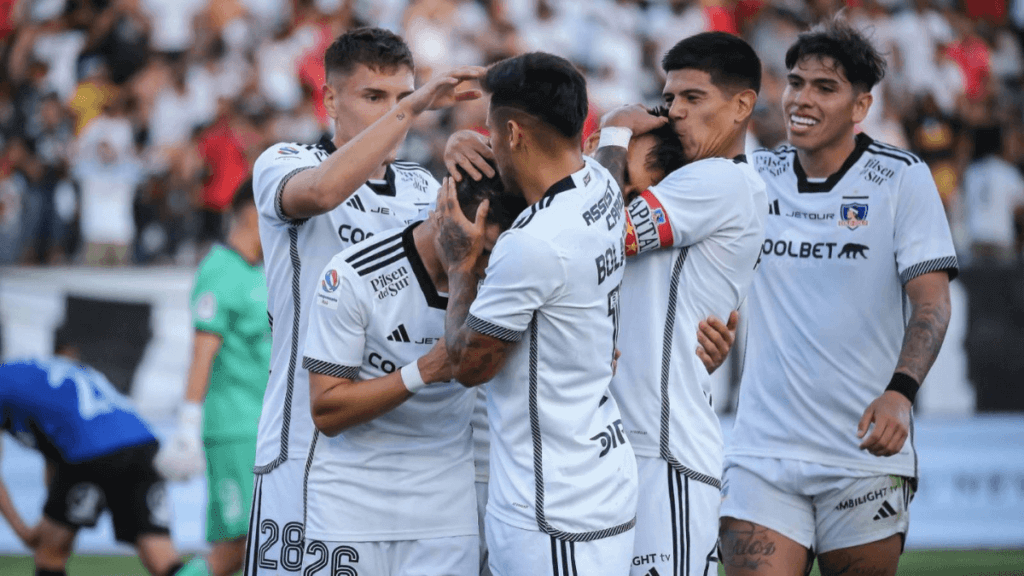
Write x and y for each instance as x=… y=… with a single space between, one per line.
x=508 y=373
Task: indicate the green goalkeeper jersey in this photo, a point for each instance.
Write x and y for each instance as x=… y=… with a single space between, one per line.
x=230 y=300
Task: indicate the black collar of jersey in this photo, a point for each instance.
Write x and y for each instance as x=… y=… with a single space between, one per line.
x=327 y=144
x=741 y=159
x=434 y=300
x=562 y=185
x=385 y=189
x=802 y=185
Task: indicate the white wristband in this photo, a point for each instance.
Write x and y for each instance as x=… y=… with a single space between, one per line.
x=411 y=377
x=615 y=136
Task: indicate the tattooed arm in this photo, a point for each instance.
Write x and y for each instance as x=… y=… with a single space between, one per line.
x=475 y=358
x=890 y=412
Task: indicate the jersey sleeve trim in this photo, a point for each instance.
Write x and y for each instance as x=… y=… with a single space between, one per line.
x=279 y=197
x=329 y=368
x=493 y=330
x=947 y=263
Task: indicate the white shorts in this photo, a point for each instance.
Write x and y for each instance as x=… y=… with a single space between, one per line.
x=676 y=523
x=453 y=556
x=274 y=545
x=481 y=513
x=518 y=552
x=822 y=508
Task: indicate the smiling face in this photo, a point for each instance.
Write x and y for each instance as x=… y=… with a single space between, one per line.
x=358 y=99
x=702 y=115
x=820 y=104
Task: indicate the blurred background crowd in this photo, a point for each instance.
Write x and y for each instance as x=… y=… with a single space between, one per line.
x=127 y=125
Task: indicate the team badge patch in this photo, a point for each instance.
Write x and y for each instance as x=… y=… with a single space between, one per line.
x=853 y=215
x=330 y=282
x=287 y=150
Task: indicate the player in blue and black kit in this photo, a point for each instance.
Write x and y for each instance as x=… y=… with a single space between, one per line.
x=99 y=455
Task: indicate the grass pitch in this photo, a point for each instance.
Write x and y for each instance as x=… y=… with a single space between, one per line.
x=913 y=563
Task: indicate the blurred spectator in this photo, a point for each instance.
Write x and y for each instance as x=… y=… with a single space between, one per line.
x=108 y=180
x=993 y=201
x=195 y=89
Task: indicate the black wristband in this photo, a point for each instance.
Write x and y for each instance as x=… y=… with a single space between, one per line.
x=905 y=385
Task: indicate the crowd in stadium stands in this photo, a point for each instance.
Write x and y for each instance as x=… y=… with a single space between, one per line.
x=127 y=125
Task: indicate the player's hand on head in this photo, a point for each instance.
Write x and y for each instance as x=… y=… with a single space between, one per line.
x=715 y=340
x=461 y=241
x=439 y=92
x=635 y=117
x=890 y=414
x=468 y=150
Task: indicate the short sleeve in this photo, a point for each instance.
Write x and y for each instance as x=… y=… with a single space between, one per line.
x=524 y=273
x=211 y=301
x=686 y=207
x=338 y=317
x=271 y=173
x=921 y=232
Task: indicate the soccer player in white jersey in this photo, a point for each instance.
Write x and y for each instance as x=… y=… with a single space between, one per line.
x=541 y=328
x=710 y=214
x=389 y=479
x=313 y=202
x=821 y=460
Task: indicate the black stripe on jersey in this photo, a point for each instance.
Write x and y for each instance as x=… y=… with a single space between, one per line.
x=803 y=186
x=305 y=475
x=947 y=263
x=279 y=198
x=254 y=550
x=538 y=461
x=674 y=504
x=896 y=150
x=434 y=300
x=557 y=188
x=410 y=167
x=250 y=549
x=686 y=523
x=286 y=412
x=667 y=349
x=330 y=369
x=554 y=557
x=327 y=145
x=370 y=248
x=493 y=330
x=873 y=150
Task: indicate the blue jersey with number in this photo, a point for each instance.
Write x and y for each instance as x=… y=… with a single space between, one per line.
x=69 y=412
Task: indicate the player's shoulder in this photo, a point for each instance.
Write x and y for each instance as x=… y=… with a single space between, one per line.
x=292 y=153
x=377 y=254
x=773 y=162
x=722 y=176
x=887 y=154
x=410 y=176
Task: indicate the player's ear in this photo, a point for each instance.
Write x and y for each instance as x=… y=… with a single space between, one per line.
x=744 y=102
x=590 y=144
x=329 y=100
x=861 y=105
x=515 y=133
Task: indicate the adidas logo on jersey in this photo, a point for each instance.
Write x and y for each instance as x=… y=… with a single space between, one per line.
x=885 y=511
x=653 y=572
x=773 y=208
x=356 y=203
x=399 y=334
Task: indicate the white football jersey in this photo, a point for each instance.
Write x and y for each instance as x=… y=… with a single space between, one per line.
x=294 y=253
x=407 y=474
x=481 y=436
x=560 y=462
x=710 y=213
x=827 y=308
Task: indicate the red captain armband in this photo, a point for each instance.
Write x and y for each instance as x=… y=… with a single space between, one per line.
x=647 y=225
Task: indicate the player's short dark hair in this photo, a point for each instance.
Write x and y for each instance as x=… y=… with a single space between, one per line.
x=729 y=60
x=243 y=197
x=64 y=339
x=376 y=48
x=667 y=156
x=858 y=59
x=543 y=85
x=503 y=208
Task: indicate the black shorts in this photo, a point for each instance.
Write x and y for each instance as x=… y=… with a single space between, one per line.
x=124 y=482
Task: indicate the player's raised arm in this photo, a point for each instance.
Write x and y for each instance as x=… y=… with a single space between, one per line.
x=617 y=128
x=321 y=189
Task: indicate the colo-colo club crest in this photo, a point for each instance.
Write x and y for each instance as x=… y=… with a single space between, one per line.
x=853 y=215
